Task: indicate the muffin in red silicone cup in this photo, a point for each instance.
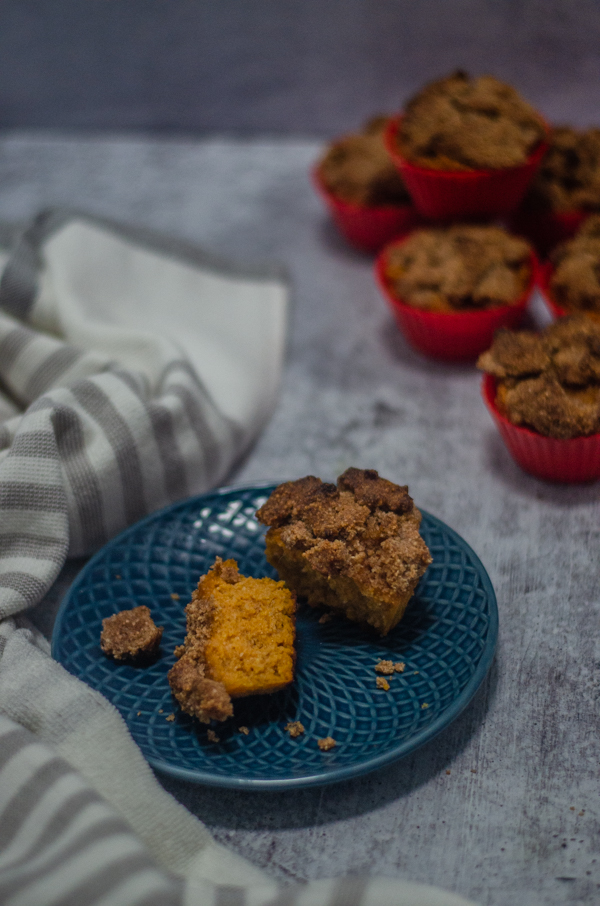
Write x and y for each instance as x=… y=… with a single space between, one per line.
x=543 y=392
x=564 y=191
x=467 y=147
x=451 y=288
x=570 y=280
x=363 y=190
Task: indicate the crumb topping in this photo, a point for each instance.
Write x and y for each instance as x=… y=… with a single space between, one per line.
x=130 y=635
x=359 y=170
x=382 y=683
x=385 y=667
x=459 y=268
x=556 y=391
x=295 y=729
x=326 y=744
x=464 y=123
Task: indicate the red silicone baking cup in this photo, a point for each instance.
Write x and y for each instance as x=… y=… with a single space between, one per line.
x=367 y=227
x=545 y=229
x=454 y=336
x=569 y=461
x=452 y=194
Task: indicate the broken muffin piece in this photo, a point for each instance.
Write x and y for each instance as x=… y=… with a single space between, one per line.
x=239 y=642
x=355 y=548
x=131 y=636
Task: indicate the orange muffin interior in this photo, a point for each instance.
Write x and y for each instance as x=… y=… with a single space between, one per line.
x=239 y=642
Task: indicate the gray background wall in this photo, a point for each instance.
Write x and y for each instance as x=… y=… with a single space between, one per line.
x=312 y=67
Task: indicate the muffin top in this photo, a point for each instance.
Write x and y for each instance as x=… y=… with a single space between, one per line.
x=549 y=382
x=457 y=268
x=464 y=123
x=575 y=282
x=569 y=176
x=359 y=170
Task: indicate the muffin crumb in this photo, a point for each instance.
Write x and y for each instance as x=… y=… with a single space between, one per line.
x=326 y=744
x=295 y=729
x=244 y=730
x=382 y=683
x=385 y=667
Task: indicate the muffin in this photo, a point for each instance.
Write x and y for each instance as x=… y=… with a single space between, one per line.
x=363 y=189
x=239 y=642
x=549 y=382
x=357 y=168
x=543 y=391
x=464 y=123
x=451 y=288
x=354 y=548
x=467 y=146
x=571 y=283
x=568 y=178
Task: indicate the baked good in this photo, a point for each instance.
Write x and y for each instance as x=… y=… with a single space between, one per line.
x=549 y=382
x=568 y=178
x=239 y=642
x=358 y=169
x=354 y=547
x=464 y=123
x=575 y=282
x=462 y=267
x=131 y=636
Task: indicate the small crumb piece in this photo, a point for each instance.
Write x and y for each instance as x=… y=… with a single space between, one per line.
x=473 y=770
x=117 y=577
x=385 y=667
x=131 y=636
x=399 y=667
x=139 y=714
x=244 y=730
x=295 y=729
x=326 y=744
x=425 y=705
x=448 y=771
x=382 y=683
x=212 y=736
x=415 y=672
x=581 y=813
x=175 y=596
x=160 y=710
x=170 y=717
x=326 y=618
x=571 y=808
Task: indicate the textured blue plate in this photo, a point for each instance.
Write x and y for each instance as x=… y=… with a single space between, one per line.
x=446 y=639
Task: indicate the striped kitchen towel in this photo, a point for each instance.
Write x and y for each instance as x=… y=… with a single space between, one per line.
x=134 y=371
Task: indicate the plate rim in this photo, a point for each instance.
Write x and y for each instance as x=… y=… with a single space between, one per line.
x=323 y=777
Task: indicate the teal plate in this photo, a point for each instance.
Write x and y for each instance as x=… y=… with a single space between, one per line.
x=446 y=640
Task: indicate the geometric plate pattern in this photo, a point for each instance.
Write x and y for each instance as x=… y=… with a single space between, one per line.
x=446 y=639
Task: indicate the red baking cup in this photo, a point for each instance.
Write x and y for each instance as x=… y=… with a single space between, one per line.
x=569 y=461
x=454 y=336
x=452 y=194
x=545 y=229
x=367 y=227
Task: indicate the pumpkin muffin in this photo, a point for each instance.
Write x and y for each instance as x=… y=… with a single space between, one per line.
x=358 y=169
x=464 y=123
x=574 y=283
x=549 y=382
x=239 y=642
x=568 y=178
x=354 y=547
x=458 y=268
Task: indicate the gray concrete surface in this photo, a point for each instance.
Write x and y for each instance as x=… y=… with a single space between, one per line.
x=503 y=806
x=280 y=66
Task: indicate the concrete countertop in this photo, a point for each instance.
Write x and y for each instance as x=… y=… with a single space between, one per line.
x=502 y=807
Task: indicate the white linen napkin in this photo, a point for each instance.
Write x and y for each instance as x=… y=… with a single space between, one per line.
x=134 y=370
